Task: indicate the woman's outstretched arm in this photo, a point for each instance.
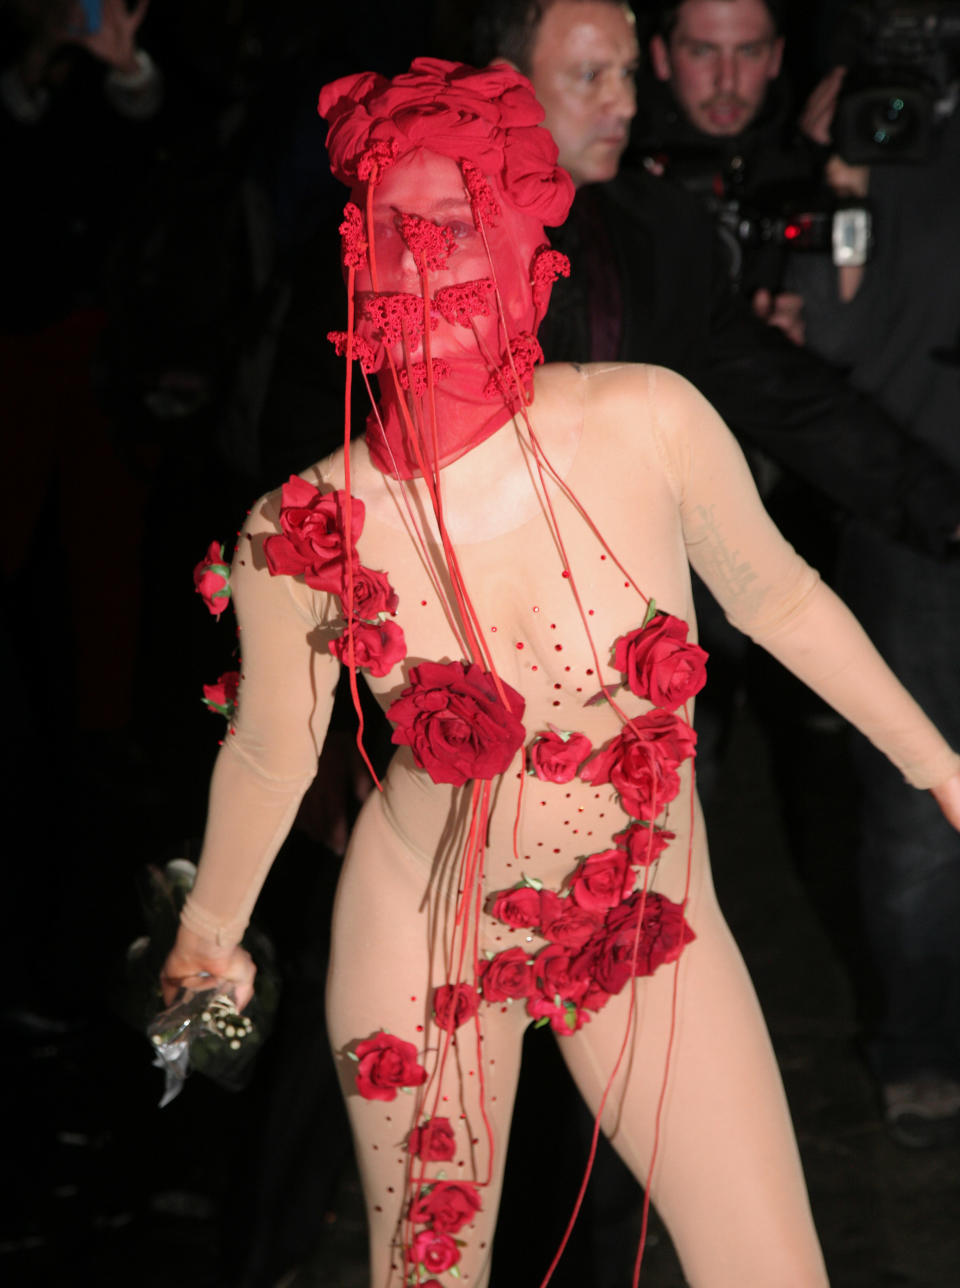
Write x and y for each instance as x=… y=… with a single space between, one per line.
x=267 y=761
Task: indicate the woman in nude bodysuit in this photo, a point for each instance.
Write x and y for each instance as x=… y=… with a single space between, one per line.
x=534 y=547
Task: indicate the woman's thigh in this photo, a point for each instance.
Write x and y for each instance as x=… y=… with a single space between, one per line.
x=727 y=1178
x=386 y=959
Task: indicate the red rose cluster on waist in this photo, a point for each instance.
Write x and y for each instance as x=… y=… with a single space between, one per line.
x=312 y=541
x=594 y=933
x=659 y=664
x=453 y=720
x=641 y=762
x=387 y=1063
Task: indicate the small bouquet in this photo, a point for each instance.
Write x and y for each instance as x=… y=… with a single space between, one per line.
x=202 y=1029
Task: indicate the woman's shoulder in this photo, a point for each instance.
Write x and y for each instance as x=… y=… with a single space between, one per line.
x=323 y=476
x=620 y=393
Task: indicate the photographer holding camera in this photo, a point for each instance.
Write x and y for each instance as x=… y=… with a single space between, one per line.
x=895 y=324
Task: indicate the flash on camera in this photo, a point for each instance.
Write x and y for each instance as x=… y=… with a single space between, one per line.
x=852 y=236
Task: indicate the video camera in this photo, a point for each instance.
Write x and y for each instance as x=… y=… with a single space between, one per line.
x=903 y=60
x=760 y=226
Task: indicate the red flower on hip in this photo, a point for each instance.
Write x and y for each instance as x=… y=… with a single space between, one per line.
x=446 y=1206
x=641 y=762
x=311 y=543
x=659 y=664
x=609 y=958
x=454 y=1004
x=555 y=756
x=453 y=720
x=602 y=881
x=563 y=922
x=507 y=974
x=211 y=578
x=385 y=1064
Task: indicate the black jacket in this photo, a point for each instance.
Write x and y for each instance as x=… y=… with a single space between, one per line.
x=649 y=284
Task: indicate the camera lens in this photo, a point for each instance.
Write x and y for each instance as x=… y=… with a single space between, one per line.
x=890 y=121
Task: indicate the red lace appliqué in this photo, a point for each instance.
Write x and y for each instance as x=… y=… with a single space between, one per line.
x=418 y=373
x=363 y=350
x=390 y=313
x=525 y=353
x=353 y=239
x=430 y=244
x=547 y=266
x=485 y=207
x=459 y=303
x=377 y=158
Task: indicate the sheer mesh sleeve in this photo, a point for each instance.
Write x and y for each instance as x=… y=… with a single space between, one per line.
x=269 y=758
x=769 y=593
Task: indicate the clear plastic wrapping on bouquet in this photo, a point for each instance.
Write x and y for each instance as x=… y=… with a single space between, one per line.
x=202 y=1029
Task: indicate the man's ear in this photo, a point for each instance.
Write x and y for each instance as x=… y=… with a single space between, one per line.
x=660 y=58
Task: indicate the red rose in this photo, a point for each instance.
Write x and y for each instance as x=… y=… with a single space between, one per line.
x=434 y=1142
x=211 y=579
x=454 y=1004
x=663 y=935
x=438 y=1252
x=659 y=664
x=508 y=974
x=447 y=1207
x=452 y=718
x=519 y=907
x=563 y=922
x=222 y=696
x=553 y=968
x=564 y=1017
x=643 y=843
x=386 y=1063
x=312 y=541
x=641 y=762
x=555 y=756
x=372 y=594
x=602 y=881
x=377 y=646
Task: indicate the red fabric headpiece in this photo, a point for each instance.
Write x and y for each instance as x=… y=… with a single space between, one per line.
x=453 y=179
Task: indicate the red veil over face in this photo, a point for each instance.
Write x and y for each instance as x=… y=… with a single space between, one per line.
x=448 y=267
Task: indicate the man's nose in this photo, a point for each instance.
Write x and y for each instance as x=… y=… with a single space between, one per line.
x=620 y=100
x=725 y=73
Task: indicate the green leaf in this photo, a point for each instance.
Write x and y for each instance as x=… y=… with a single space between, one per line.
x=352 y=1055
x=650 y=613
x=533 y=882
x=544 y=1019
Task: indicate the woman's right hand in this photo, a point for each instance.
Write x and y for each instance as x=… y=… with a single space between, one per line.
x=192 y=959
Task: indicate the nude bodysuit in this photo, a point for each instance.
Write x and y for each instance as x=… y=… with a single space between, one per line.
x=655 y=469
